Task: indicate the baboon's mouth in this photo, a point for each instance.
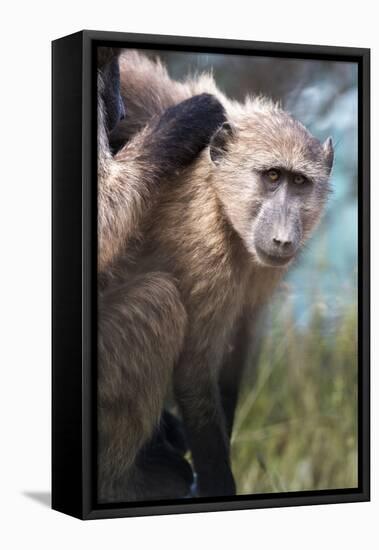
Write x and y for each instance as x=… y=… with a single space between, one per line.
x=272 y=260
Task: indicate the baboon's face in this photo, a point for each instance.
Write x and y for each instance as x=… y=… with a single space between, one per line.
x=272 y=178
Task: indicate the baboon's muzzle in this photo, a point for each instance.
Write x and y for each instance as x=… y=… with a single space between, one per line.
x=278 y=232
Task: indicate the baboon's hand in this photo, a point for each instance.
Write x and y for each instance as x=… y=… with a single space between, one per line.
x=184 y=130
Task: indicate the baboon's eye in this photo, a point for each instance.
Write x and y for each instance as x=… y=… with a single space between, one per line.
x=299 y=179
x=273 y=175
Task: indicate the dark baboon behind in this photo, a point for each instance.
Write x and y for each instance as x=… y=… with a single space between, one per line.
x=141 y=317
x=226 y=229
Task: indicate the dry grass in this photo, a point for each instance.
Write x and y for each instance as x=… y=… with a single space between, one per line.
x=296 y=424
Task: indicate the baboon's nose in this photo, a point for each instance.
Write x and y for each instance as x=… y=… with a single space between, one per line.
x=282 y=243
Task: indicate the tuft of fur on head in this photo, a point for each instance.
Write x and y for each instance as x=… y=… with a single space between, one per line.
x=265 y=136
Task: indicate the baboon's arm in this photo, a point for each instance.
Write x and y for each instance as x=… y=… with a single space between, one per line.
x=246 y=344
x=128 y=182
x=208 y=403
x=198 y=395
x=147 y=90
x=232 y=370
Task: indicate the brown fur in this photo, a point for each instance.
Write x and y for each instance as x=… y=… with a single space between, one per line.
x=201 y=233
x=141 y=329
x=126 y=190
x=141 y=319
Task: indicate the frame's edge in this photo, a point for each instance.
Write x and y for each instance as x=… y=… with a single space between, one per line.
x=89 y=198
x=230 y=43
x=364 y=290
x=74 y=35
x=67 y=475
x=229 y=506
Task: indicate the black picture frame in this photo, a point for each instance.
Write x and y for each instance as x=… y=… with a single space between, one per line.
x=74 y=274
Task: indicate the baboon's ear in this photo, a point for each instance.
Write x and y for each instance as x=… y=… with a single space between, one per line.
x=328 y=149
x=220 y=141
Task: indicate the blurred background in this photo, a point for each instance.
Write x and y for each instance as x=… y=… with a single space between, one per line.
x=296 y=424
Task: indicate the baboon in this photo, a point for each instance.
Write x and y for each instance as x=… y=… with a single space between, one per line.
x=141 y=320
x=226 y=229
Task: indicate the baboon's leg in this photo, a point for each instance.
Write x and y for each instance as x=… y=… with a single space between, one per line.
x=232 y=370
x=198 y=395
x=141 y=328
x=160 y=470
x=246 y=344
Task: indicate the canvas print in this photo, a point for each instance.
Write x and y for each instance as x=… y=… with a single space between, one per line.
x=227 y=263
